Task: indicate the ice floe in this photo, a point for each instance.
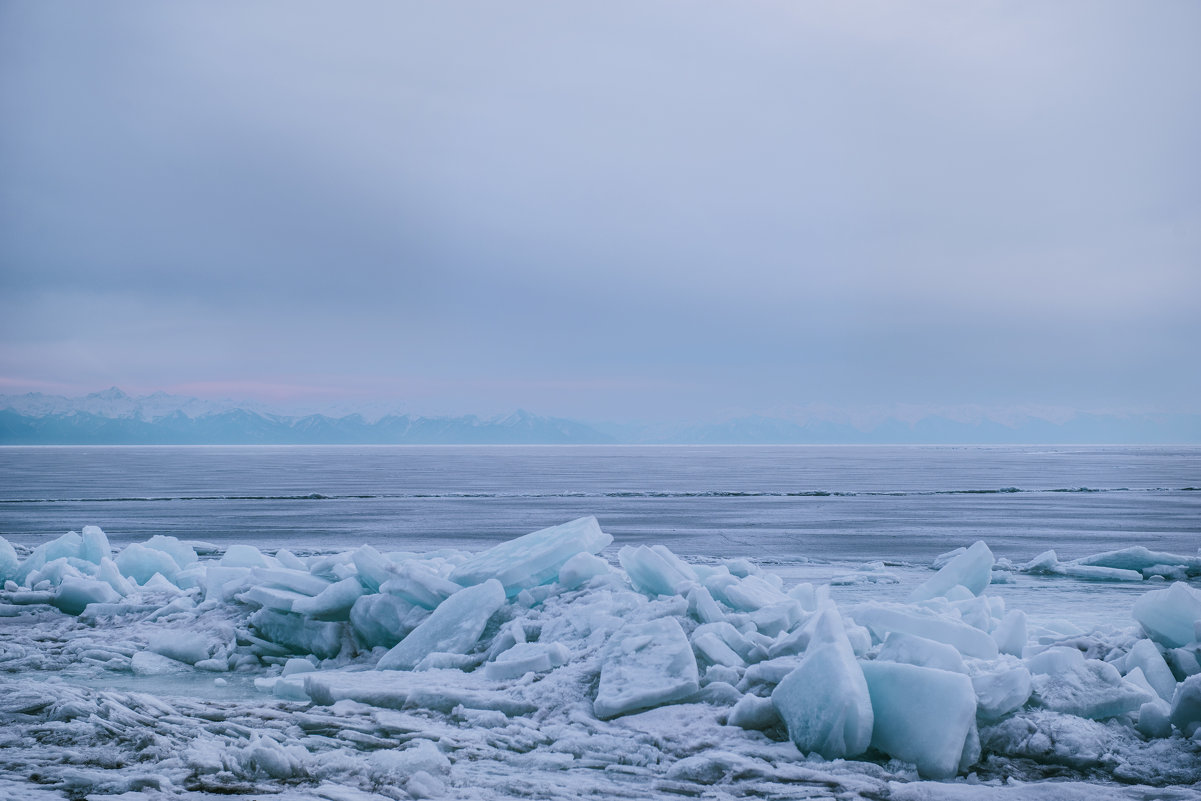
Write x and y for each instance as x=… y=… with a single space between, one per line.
x=364 y=674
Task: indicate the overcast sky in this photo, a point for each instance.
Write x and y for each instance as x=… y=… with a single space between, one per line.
x=608 y=210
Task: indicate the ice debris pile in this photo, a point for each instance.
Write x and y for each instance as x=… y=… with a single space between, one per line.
x=544 y=634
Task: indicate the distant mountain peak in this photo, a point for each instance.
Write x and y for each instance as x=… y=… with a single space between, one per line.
x=112 y=393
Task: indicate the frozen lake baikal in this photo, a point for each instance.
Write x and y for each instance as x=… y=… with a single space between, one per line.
x=742 y=622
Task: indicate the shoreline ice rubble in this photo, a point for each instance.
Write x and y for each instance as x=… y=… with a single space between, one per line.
x=398 y=674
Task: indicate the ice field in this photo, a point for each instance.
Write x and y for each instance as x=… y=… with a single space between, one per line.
x=539 y=668
x=369 y=623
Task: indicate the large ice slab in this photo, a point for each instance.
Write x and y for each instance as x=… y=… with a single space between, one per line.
x=454 y=627
x=534 y=558
x=75 y=593
x=923 y=715
x=824 y=702
x=1141 y=559
x=645 y=665
x=885 y=618
x=1047 y=563
x=437 y=690
x=1170 y=616
x=971 y=569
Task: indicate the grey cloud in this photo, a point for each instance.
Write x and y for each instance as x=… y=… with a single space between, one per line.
x=726 y=204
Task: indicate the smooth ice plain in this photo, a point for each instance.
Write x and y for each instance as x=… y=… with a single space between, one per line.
x=550 y=666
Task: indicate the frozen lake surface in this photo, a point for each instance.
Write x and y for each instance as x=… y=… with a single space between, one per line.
x=865 y=522
x=897 y=503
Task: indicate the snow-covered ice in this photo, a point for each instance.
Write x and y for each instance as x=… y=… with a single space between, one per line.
x=550 y=667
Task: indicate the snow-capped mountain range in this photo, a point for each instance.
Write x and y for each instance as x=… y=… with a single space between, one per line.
x=113 y=417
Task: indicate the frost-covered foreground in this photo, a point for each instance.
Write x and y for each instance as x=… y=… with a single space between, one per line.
x=539 y=669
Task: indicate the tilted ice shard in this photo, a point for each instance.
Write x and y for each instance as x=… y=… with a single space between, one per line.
x=454 y=627
x=922 y=715
x=1010 y=633
x=534 y=558
x=1145 y=656
x=332 y=603
x=1170 y=616
x=824 y=702
x=374 y=569
x=971 y=569
x=645 y=665
x=713 y=649
x=300 y=581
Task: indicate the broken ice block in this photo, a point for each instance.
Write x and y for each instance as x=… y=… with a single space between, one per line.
x=1186 y=706
x=656 y=570
x=332 y=603
x=1088 y=688
x=94 y=545
x=645 y=665
x=140 y=563
x=580 y=568
x=1170 y=616
x=385 y=619
x=74 y=594
x=419 y=584
x=526 y=657
x=971 y=569
x=1146 y=656
x=454 y=627
x=534 y=558
x=922 y=715
x=1002 y=692
x=884 y=618
x=8 y=560
x=824 y=701
x=297 y=633
x=914 y=650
